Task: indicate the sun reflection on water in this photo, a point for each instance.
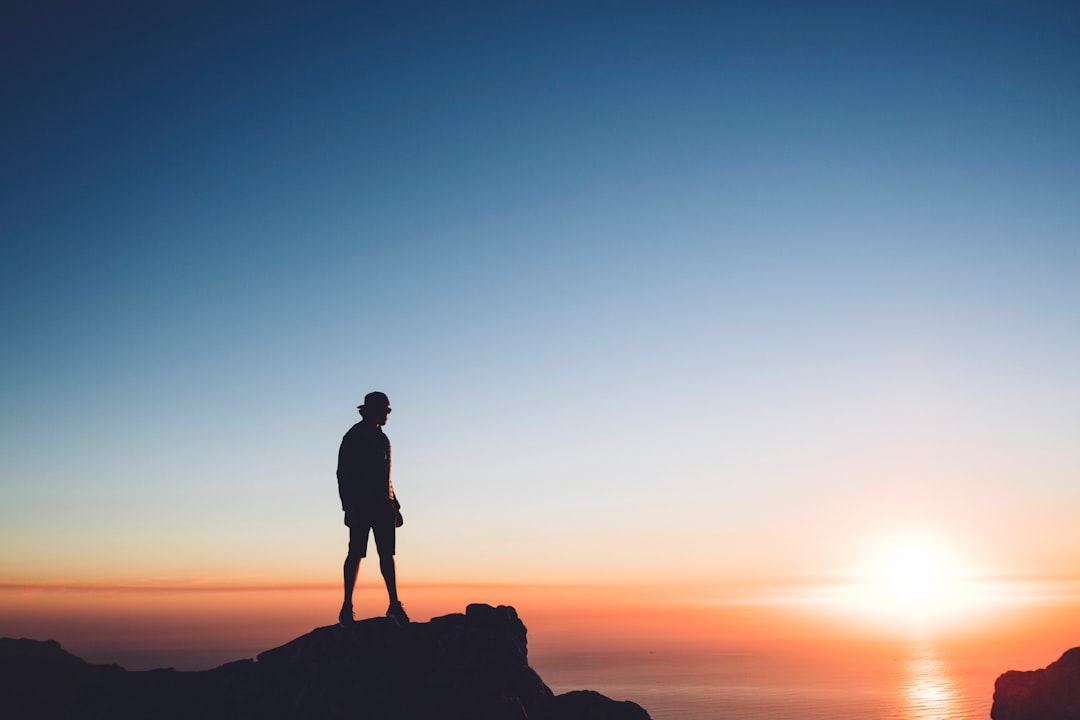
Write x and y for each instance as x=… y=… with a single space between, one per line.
x=928 y=689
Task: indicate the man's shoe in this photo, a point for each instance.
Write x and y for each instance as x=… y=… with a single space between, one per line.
x=345 y=617
x=396 y=612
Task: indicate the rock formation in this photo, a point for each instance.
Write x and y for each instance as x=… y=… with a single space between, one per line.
x=470 y=666
x=1052 y=693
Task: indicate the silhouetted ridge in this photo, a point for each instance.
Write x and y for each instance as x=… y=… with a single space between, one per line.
x=1052 y=693
x=470 y=666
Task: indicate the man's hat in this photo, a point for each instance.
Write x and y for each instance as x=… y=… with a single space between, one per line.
x=375 y=399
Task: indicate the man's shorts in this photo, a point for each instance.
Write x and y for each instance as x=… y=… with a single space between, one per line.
x=380 y=521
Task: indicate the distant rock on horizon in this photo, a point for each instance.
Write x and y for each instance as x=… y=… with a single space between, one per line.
x=470 y=666
x=1052 y=693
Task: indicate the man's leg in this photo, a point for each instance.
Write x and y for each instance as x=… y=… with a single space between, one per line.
x=386 y=542
x=358 y=535
x=352 y=569
x=389 y=574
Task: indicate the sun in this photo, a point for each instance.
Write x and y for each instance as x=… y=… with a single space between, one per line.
x=912 y=577
x=916 y=571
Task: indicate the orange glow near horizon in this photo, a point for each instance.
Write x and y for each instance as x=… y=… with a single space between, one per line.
x=205 y=625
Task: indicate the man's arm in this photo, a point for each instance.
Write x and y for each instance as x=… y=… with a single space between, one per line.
x=346 y=471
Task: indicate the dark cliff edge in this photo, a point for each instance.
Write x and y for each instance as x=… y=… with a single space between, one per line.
x=472 y=665
x=1052 y=693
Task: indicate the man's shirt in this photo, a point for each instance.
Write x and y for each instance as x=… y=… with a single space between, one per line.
x=363 y=470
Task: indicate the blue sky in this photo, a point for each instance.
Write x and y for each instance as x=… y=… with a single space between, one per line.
x=737 y=284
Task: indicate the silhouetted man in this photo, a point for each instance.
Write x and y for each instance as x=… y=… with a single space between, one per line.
x=367 y=497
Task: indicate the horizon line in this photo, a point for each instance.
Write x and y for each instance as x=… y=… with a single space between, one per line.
x=194 y=586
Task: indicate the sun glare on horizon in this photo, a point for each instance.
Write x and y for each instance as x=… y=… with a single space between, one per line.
x=915 y=576
x=912 y=580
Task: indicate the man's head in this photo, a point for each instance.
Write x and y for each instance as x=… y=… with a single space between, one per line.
x=376 y=408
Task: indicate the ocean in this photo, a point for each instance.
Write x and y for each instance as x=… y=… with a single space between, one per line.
x=806 y=661
x=922 y=685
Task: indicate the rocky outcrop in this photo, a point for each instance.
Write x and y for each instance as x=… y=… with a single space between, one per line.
x=1052 y=693
x=463 y=666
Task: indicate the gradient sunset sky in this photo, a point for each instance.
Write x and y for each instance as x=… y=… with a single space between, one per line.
x=661 y=293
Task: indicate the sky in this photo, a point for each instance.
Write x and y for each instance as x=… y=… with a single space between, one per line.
x=669 y=294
